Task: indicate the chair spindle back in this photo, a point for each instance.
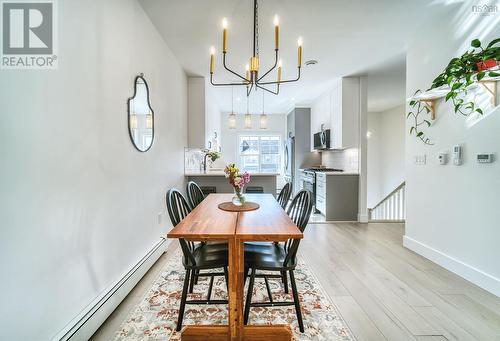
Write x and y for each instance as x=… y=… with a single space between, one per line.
x=178 y=208
x=285 y=194
x=299 y=211
x=194 y=193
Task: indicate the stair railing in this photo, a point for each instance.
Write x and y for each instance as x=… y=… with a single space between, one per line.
x=391 y=207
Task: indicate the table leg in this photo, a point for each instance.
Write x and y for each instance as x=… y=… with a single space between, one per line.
x=236 y=331
x=236 y=285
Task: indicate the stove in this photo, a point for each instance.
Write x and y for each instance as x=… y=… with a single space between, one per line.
x=317 y=169
x=308 y=179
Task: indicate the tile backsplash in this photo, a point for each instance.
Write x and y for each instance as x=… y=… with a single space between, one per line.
x=346 y=159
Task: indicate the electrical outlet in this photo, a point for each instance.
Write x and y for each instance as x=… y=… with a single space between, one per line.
x=420 y=159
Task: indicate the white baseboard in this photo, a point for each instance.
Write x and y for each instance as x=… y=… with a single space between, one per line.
x=363 y=217
x=470 y=273
x=83 y=326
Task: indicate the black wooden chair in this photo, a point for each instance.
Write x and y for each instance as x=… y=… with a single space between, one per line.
x=280 y=258
x=283 y=198
x=284 y=195
x=196 y=257
x=254 y=189
x=194 y=193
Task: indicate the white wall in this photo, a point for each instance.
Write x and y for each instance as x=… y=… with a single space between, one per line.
x=453 y=211
x=374 y=182
x=276 y=125
x=78 y=203
x=386 y=152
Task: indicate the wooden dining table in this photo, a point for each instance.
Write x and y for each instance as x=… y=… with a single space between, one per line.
x=208 y=223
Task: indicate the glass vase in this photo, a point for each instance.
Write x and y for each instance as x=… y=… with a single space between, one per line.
x=238 y=198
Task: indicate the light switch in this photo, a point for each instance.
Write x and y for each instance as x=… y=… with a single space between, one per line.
x=159 y=217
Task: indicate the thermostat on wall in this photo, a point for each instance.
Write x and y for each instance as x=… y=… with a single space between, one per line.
x=484 y=158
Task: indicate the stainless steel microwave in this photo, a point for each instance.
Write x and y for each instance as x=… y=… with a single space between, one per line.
x=322 y=140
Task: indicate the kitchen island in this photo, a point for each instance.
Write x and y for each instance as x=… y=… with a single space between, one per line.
x=217 y=180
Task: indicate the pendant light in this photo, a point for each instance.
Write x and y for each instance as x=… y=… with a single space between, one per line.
x=133 y=117
x=263 y=116
x=232 y=116
x=248 y=118
x=149 y=120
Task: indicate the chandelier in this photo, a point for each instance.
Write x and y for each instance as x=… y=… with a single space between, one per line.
x=252 y=78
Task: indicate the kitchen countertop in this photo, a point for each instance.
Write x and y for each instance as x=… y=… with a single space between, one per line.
x=221 y=173
x=337 y=173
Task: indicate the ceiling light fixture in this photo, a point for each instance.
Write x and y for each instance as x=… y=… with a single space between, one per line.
x=248 y=118
x=149 y=120
x=263 y=116
x=252 y=80
x=232 y=115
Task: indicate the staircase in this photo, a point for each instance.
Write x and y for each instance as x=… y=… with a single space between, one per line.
x=392 y=208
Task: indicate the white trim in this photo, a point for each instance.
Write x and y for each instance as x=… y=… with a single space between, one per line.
x=363 y=217
x=470 y=273
x=84 y=325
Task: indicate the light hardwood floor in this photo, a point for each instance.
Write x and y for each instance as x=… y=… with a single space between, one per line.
x=383 y=291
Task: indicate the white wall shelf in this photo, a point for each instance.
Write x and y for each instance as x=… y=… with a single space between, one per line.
x=429 y=97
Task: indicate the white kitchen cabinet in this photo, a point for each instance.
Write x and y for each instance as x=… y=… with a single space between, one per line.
x=338 y=110
x=320 y=115
x=344 y=114
x=204 y=117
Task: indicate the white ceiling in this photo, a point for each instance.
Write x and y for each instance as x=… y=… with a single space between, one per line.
x=346 y=37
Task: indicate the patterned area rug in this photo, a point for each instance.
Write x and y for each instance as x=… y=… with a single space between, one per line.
x=155 y=317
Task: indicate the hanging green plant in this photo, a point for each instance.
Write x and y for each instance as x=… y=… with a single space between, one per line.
x=465 y=70
x=419 y=114
x=457 y=78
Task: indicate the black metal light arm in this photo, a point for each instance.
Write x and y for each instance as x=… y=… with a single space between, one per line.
x=270 y=91
x=224 y=84
x=249 y=89
x=271 y=69
x=228 y=69
x=285 y=81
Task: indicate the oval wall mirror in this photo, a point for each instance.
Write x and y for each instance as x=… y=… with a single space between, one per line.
x=140 y=116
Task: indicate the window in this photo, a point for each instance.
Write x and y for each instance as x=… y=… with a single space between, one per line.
x=259 y=154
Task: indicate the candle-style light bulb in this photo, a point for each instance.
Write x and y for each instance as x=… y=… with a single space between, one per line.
x=247 y=72
x=280 y=63
x=224 y=35
x=276 y=31
x=299 y=52
x=212 y=53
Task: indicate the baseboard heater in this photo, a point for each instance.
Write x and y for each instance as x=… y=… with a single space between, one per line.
x=86 y=323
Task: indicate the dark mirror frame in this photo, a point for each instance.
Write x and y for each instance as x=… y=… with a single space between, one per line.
x=140 y=76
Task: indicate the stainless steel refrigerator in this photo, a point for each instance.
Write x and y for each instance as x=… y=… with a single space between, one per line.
x=290 y=160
